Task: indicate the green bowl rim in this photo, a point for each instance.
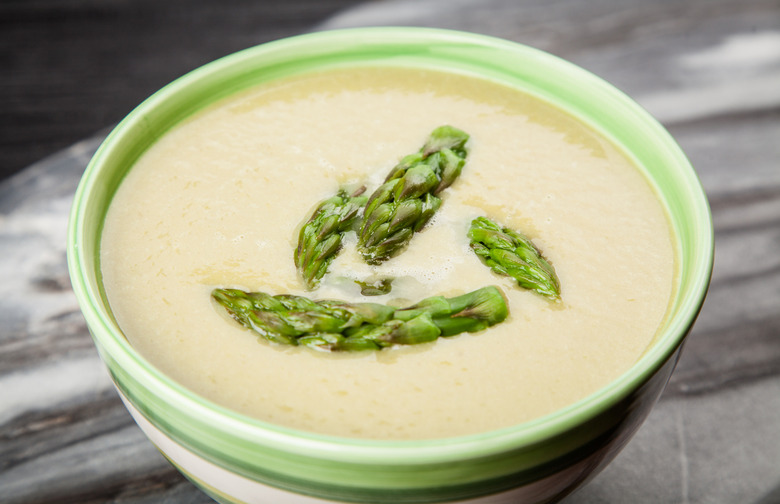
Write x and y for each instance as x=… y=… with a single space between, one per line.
x=378 y=451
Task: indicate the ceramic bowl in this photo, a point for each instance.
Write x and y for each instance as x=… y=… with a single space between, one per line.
x=236 y=459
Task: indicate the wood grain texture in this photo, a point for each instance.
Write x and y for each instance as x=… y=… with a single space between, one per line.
x=709 y=70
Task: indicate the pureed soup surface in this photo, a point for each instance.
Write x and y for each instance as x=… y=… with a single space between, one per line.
x=219 y=200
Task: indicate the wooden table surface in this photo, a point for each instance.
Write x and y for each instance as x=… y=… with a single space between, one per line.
x=709 y=70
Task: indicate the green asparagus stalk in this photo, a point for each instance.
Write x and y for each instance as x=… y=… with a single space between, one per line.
x=377 y=288
x=509 y=253
x=409 y=196
x=331 y=325
x=321 y=236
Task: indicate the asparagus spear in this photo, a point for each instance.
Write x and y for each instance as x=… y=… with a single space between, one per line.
x=408 y=198
x=509 y=253
x=377 y=288
x=341 y=326
x=320 y=238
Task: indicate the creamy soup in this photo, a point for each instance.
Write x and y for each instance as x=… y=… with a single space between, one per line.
x=218 y=201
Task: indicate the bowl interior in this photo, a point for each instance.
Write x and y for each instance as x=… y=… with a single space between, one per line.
x=562 y=84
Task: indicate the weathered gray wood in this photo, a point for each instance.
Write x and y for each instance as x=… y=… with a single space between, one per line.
x=709 y=70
